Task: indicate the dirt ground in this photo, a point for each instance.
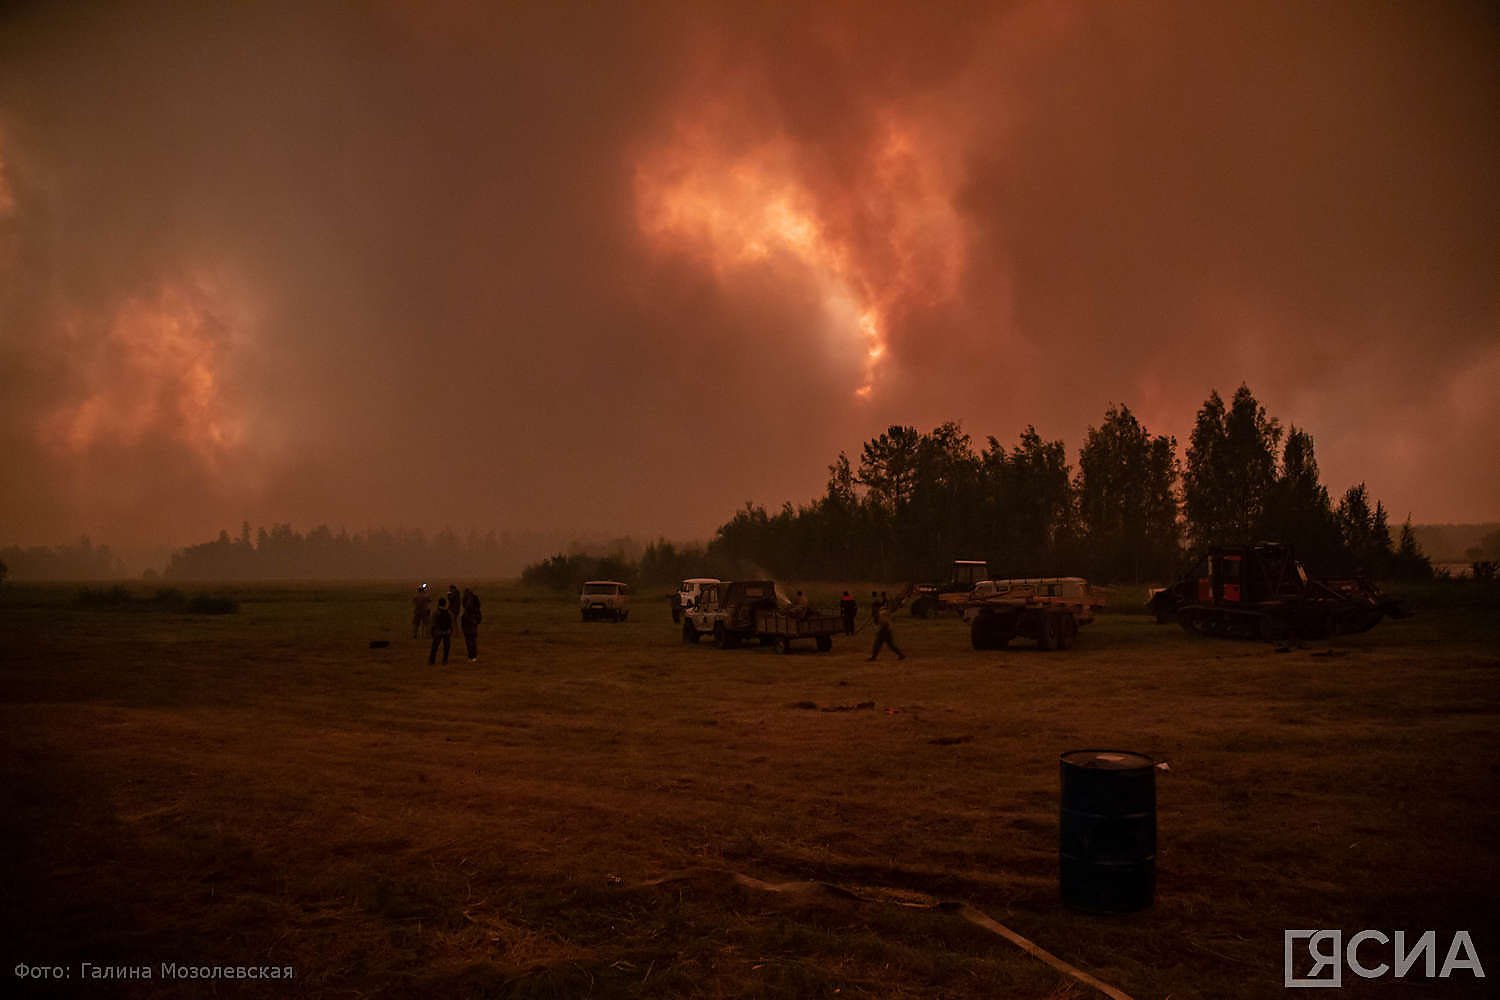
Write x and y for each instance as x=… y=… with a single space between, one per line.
x=567 y=817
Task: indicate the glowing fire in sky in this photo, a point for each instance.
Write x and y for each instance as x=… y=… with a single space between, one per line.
x=877 y=243
x=155 y=369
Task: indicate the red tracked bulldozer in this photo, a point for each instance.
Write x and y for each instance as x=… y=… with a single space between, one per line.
x=1263 y=592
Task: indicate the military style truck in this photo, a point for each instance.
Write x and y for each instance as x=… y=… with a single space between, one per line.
x=1049 y=610
x=1261 y=591
x=931 y=599
x=740 y=611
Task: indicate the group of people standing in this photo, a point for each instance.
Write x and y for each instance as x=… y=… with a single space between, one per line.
x=461 y=609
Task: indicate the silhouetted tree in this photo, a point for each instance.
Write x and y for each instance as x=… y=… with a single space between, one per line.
x=1409 y=562
x=1127 y=500
x=1231 y=469
x=1365 y=532
x=1026 y=500
x=1298 y=509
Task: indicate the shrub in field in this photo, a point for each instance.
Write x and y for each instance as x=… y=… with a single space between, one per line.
x=103 y=597
x=210 y=604
x=562 y=572
x=168 y=599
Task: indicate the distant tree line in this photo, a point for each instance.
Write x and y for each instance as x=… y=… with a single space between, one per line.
x=82 y=560
x=1131 y=511
x=282 y=553
x=1488 y=548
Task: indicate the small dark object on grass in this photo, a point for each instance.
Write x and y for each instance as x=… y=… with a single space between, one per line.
x=1330 y=652
x=850 y=708
x=379 y=643
x=804 y=704
x=209 y=604
x=1283 y=648
x=949 y=741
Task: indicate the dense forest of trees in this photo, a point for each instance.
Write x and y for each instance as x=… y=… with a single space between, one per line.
x=82 y=560
x=1131 y=511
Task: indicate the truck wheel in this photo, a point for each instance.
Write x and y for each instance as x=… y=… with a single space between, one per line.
x=825 y=643
x=585 y=615
x=1067 y=632
x=1047 y=633
x=922 y=607
x=783 y=645
x=690 y=635
x=721 y=636
x=984 y=634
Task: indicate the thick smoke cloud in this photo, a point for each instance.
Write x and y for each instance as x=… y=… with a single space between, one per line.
x=622 y=268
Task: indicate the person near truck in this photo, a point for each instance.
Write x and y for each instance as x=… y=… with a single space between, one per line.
x=883 y=636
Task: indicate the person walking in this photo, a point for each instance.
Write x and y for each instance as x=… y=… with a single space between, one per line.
x=470 y=623
x=442 y=632
x=421 y=611
x=883 y=636
x=849 y=610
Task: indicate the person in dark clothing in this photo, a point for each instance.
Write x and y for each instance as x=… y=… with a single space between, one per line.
x=849 y=610
x=883 y=635
x=442 y=631
x=455 y=608
x=470 y=623
x=421 y=611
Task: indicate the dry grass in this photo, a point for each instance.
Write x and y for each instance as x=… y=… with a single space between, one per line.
x=263 y=787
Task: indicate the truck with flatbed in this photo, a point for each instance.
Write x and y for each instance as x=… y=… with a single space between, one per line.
x=736 y=612
x=1049 y=610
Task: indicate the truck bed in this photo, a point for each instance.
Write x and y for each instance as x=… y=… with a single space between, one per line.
x=779 y=623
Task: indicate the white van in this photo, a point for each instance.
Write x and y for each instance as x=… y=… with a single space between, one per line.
x=608 y=600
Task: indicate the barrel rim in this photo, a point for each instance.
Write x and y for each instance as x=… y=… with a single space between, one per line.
x=1150 y=761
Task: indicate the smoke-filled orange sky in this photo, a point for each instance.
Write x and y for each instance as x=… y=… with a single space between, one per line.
x=622 y=267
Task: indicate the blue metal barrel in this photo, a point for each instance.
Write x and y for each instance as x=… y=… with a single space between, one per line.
x=1107 y=835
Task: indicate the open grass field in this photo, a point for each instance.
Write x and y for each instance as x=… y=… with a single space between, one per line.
x=262 y=788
